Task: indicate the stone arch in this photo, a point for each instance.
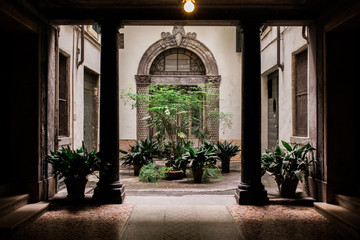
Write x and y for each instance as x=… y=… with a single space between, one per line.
x=178 y=39
x=188 y=41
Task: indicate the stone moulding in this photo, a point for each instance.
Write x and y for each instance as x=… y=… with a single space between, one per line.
x=178 y=39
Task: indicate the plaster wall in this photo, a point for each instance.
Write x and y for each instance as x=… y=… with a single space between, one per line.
x=291 y=41
x=67 y=44
x=222 y=43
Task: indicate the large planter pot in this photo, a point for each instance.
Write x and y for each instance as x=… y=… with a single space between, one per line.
x=75 y=189
x=225 y=166
x=288 y=188
x=173 y=175
x=137 y=168
x=197 y=176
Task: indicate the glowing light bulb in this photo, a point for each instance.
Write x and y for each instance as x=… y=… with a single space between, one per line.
x=189 y=6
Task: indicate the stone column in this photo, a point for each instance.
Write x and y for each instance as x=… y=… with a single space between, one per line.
x=109 y=188
x=251 y=191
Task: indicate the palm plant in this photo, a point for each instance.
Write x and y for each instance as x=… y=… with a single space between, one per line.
x=287 y=166
x=75 y=166
x=199 y=159
x=142 y=153
x=225 y=151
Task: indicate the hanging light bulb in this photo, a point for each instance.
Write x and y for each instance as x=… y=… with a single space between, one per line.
x=189 y=5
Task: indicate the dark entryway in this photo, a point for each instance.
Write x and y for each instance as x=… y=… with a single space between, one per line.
x=273 y=109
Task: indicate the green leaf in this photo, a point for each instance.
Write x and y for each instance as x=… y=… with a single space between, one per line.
x=286 y=145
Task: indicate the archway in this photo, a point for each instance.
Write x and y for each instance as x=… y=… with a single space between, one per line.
x=196 y=65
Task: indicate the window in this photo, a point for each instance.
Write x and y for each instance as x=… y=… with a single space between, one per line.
x=301 y=94
x=63 y=99
x=177 y=61
x=96 y=28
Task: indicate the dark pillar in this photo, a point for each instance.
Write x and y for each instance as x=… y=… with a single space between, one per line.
x=109 y=188
x=251 y=191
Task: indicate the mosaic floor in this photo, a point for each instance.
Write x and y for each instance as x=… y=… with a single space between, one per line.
x=283 y=223
x=64 y=222
x=183 y=217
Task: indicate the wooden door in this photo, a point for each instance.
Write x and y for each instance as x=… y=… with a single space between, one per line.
x=91 y=111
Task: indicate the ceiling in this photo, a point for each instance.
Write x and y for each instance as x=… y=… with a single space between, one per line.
x=169 y=12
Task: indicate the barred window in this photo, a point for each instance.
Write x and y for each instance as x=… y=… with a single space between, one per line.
x=177 y=61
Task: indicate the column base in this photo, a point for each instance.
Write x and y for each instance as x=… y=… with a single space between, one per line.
x=113 y=193
x=249 y=195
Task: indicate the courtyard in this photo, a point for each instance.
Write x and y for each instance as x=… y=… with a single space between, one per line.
x=181 y=209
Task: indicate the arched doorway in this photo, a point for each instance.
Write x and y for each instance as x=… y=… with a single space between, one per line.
x=178 y=59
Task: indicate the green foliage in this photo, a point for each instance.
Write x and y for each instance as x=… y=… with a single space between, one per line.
x=211 y=172
x=141 y=153
x=226 y=150
x=289 y=164
x=200 y=158
x=74 y=164
x=149 y=173
x=174 y=110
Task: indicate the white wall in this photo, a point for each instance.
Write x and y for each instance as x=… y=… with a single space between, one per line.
x=67 y=45
x=220 y=40
x=291 y=41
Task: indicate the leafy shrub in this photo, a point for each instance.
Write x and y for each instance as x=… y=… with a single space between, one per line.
x=211 y=172
x=149 y=173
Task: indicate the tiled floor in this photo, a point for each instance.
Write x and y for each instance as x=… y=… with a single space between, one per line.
x=180 y=210
x=283 y=223
x=79 y=222
x=180 y=217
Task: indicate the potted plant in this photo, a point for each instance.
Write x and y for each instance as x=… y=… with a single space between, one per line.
x=225 y=151
x=74 y=166
x=199 y=159
x=176 y=168
x=142 y=153
x=288 y=166
x=175 y=113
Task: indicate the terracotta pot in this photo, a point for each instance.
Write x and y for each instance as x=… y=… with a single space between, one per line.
x=288 y=188
x=137 y=169
x=75 y=189
x=197 y=176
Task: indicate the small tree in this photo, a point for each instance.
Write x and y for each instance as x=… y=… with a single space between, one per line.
x=175 y=112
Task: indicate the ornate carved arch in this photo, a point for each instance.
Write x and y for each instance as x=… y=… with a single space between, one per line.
x=177 y=39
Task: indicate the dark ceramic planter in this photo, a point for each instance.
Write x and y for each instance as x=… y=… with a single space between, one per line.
x=76 y=189
x=197 y=176
x=288 y=188
x=137 y=169
x=173 y=175
x=225 y=166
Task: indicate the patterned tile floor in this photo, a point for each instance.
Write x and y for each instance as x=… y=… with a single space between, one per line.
x=284 y=223
x=183 y=217
x=79 y=222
